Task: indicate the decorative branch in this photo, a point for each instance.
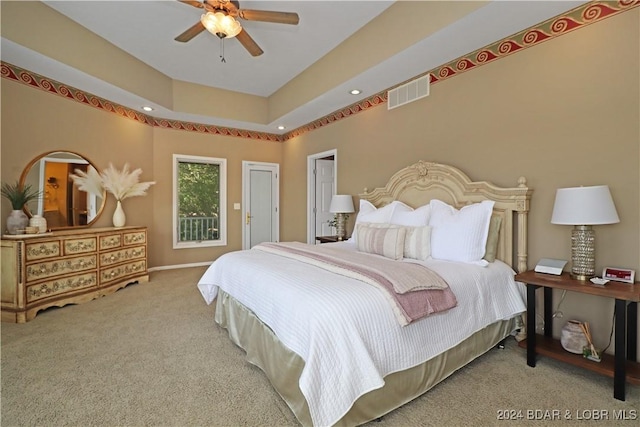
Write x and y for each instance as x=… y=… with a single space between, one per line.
x=122 y=184
x=89 y=181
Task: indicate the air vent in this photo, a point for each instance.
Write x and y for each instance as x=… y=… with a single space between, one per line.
x=408 y=92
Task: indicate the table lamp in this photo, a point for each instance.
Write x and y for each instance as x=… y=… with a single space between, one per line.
x=341 y=204
x=583 y=207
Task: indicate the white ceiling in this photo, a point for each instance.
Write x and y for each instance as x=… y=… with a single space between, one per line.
x=146 y=29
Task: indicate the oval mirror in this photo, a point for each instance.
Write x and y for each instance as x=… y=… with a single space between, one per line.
x=61 y=203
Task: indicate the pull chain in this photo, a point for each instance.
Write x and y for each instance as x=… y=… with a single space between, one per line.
x=222 y=51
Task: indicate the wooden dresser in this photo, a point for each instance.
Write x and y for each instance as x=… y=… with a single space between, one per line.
x=68 y=267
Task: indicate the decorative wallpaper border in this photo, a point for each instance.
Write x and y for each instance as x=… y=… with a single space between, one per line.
x=12 y=72
x=572 y=20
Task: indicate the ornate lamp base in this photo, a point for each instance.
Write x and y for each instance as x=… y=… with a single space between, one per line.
x=340 y=229
x=583 y=252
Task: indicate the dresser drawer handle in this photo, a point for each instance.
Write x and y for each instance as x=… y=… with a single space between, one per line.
x=112 y=258
x=113 y=273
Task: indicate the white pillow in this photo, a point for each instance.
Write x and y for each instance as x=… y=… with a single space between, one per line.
x=460 y=235
x=406 y=215
x=371 y=214
x=387 y=241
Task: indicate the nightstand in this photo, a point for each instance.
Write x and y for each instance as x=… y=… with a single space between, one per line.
x=623 y=366
x=327 y=239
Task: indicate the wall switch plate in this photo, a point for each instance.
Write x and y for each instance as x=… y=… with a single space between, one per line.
x=236 y=206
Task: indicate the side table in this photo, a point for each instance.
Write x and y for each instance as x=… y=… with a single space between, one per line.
x=623 y=366
x=327 y=239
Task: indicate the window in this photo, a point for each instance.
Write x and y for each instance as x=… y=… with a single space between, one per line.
x=199 y=201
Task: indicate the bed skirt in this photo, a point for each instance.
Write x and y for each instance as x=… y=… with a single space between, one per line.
x=284 y=367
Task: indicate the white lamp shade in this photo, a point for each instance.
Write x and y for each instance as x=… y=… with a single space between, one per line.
x=584 y=206
x=341 y=203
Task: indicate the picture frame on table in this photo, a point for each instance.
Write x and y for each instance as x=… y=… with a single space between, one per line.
x=619 y=274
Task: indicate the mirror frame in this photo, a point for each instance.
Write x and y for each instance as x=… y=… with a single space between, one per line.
x=35 y=160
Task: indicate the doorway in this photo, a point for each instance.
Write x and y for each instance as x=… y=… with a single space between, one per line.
x=321 y=186
x=62 y=203
x=261 y=199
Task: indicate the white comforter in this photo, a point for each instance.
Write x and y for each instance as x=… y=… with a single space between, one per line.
x=344 y=329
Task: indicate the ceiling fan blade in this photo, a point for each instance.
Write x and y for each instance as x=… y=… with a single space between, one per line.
x=193 y=3
x=245 y=40
x=269 y=16
x=190 y=33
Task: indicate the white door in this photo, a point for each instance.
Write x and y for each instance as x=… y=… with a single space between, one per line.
x=260 y=199
x=324 y=191
x=312 y=191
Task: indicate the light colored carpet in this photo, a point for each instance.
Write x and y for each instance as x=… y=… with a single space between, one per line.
x=151 y=355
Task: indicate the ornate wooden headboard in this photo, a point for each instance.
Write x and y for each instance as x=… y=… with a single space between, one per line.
x=417 y=184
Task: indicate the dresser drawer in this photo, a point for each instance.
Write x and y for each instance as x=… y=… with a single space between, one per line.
x=111 y=241
x=79 y=246
x=42 y=250
x=44 y=270
x=135 y=238
x=61 y=286
x=122 y=255
x=122 y=271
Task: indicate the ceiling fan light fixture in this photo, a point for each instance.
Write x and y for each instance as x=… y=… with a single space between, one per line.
x=221 y=24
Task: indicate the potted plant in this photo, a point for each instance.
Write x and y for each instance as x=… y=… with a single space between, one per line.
x=18 y=195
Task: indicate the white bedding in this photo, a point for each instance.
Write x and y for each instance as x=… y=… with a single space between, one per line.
x=344 y=329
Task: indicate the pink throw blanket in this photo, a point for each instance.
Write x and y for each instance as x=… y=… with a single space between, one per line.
x=413 y=290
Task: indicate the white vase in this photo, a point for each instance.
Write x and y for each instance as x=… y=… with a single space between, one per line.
x=17 y=220
x=40 y=222
x=119 y=218
x=573 y=338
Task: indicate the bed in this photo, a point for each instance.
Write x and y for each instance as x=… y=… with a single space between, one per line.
x=332 y=345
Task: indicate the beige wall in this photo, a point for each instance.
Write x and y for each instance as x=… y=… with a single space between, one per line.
x=564 y=113
x=34 y=122
x=235 y=150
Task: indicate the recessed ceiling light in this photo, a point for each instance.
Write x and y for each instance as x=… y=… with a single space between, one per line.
x=147 y=108
x=355 y=91
x=281 y=127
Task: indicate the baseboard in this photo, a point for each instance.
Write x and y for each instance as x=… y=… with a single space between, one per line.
x=174 y=267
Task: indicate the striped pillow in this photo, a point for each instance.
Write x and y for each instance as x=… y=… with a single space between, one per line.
x=417 y=242
x=387 y=241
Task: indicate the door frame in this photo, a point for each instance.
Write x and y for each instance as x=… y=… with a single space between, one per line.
x=246 y=168
x=311 y=189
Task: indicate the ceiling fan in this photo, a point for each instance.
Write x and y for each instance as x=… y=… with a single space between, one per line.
x=220 y=18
